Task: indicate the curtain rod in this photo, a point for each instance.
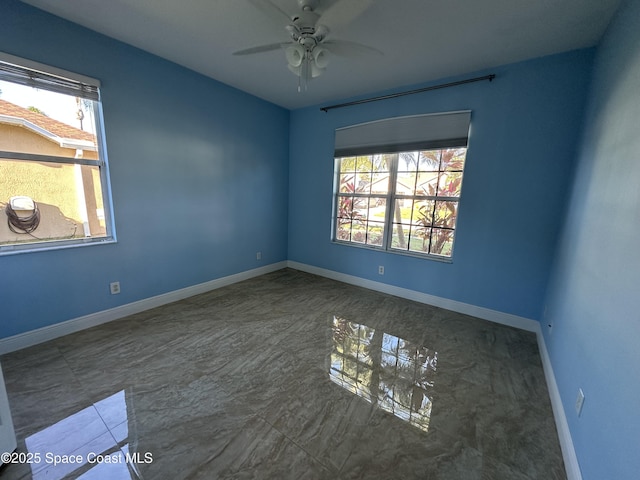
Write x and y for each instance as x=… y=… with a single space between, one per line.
x=410 y=92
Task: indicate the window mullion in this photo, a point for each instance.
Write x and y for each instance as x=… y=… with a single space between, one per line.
x=388 y=218
x=30 y=157
x=336 y=196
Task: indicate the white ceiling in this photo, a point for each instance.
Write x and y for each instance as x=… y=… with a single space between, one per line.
x=421 y=40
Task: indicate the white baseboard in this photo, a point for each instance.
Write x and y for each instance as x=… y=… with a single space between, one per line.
x=44 y=334
x=564 y=435
x=562 y=426
x=453 y=305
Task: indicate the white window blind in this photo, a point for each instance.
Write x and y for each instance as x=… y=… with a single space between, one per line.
x=399 y=134
x=33 y=74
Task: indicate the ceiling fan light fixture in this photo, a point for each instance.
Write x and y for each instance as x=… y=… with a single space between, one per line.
x=295 y=70
x=316 y=71
x=312 y=70
x=295 y=55
x=320 y=57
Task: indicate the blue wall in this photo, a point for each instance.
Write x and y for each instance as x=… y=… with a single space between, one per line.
x=198 y=172
x=594 y=301
x=524 y=132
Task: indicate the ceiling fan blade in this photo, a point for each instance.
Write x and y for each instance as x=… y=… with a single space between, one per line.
x=343 y=12
x=261 y=49
x=272 y=11
x=345 y=48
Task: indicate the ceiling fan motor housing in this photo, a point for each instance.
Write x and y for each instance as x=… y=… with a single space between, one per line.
x=306 y=22
x=308 y=4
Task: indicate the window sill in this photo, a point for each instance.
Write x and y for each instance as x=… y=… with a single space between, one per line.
x=6 y=250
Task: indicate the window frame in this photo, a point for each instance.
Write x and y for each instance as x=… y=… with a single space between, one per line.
x=88 y=89
x=390 y=198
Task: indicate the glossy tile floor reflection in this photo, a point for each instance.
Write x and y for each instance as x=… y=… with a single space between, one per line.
x=285 y=376
x=385 y=370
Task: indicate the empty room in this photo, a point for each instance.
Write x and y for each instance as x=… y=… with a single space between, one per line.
x=319 y=239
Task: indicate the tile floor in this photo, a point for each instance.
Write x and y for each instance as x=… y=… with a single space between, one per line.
x=285 y=376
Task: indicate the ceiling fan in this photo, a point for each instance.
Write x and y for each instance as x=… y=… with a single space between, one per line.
x=308 y=50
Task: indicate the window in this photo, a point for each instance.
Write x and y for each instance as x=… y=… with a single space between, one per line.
x=401 y=194
x=54 y=188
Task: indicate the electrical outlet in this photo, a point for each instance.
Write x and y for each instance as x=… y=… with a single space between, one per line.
x=380 y=270
x=114 y=287
x=579 y=402
x=258 y=255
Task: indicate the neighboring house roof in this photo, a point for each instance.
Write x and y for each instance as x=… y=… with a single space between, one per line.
x=64 y=135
